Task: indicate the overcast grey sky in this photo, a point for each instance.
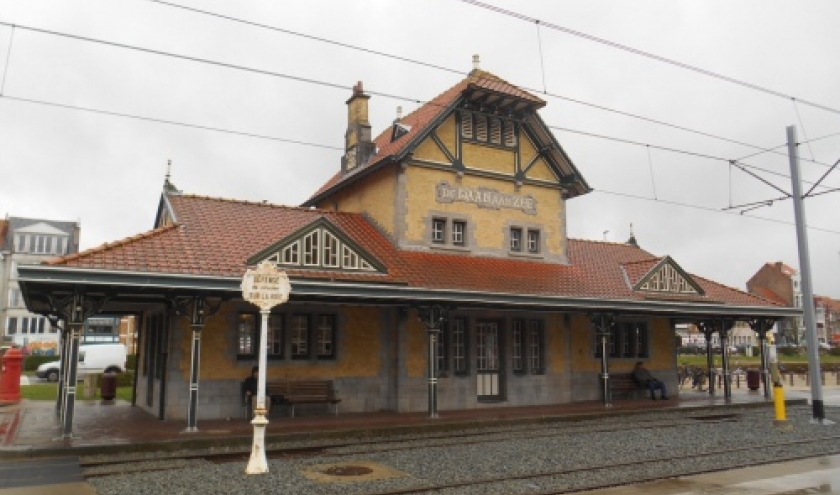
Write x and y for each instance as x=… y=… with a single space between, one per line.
x=107 y=171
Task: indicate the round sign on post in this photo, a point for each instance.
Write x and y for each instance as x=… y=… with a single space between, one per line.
x=265 y=286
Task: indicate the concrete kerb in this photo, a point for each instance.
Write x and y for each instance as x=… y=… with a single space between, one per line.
x=243 y=442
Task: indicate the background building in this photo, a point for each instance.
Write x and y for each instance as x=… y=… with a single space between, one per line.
x=780 y=283
x=29 y=241
x=828 y=319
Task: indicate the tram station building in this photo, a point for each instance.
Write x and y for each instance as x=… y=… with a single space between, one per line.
x=442 y=238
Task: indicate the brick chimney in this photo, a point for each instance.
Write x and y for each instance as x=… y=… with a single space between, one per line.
x=358 y=147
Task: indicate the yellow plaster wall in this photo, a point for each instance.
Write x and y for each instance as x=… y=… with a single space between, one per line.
x=486 y=158
x=375 y=195
x=582 y=342
x=557 y=332
x=527 y=152
x=359 y=351
x=490 y=225
x=430 y=151
x=447 y=132
x=540 y=170
x=661 y=346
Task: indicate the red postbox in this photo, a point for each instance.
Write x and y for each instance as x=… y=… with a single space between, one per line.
x=10 y=378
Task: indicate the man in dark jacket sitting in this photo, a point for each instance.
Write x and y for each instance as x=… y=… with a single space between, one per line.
x=645 y=379
x=249 y=389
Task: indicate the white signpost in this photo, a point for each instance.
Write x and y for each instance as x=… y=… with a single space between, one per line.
x=266 y=287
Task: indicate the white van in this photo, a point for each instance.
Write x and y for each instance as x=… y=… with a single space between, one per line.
x=93 y=358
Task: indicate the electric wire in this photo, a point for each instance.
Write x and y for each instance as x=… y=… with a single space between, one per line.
x=802 y=125
x=263 y=72
x=169 y=122
x=674 y=150
x=784 y=145
x=317 y=145
x=462 y=73
x=8 y=57
x=650 y=165
x=542 y=62
x=272 y=73
x=708 y=209
x=642 y=53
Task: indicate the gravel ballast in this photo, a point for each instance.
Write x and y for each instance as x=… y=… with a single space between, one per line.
x=587 y=451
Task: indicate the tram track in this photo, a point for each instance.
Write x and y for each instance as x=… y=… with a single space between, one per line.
x=114 y=465
x=474 y=483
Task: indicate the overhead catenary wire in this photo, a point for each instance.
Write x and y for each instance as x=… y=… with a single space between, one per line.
x=8 y=57
x=255 y=70
x=317 y=145
x=542 y=62
x=672 y=150
x=169 y=122
x=296 y=78
x=544 y=92
x=650 y=165
x=708 y=209
x=643 y=53
x=802 y=126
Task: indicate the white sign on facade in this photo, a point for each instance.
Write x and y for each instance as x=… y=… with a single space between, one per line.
x=485 y=197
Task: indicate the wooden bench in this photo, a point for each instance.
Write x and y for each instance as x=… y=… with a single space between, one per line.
x=624 y=384
x=293 y=392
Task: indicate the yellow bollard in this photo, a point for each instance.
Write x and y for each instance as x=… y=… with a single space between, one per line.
x=781 y=413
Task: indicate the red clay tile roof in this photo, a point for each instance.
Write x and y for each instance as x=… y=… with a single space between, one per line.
x=420 y=119
x=636 y=270
x=768 y=294
x=215 y=237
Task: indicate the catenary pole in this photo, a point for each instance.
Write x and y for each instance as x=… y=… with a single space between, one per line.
x=818 y=408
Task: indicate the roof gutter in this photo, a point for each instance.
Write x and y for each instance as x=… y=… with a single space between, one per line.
x=35 y=274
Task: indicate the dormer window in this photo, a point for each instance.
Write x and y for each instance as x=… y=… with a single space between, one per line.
x=484 y=128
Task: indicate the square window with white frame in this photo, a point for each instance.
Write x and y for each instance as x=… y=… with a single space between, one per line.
x=533 y=241
x=438 y=230
x=515 y=239
x=459 y=231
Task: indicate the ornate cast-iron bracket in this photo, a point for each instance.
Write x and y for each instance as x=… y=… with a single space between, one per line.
x=75 y=308
x=196 y=308
x=433 y=316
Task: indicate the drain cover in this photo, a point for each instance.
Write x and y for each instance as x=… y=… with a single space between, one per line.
x=348 y=471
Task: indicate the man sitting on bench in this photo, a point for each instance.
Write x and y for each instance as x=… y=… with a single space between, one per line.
x=645 y=379
x=249 y=388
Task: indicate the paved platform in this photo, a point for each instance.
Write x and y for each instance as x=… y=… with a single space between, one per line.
x=31 y=428
x=819 y=475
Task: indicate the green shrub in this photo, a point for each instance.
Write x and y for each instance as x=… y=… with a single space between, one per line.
x=31 y=363
x=834 y=351
x=788 y=351
x=131 y=362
